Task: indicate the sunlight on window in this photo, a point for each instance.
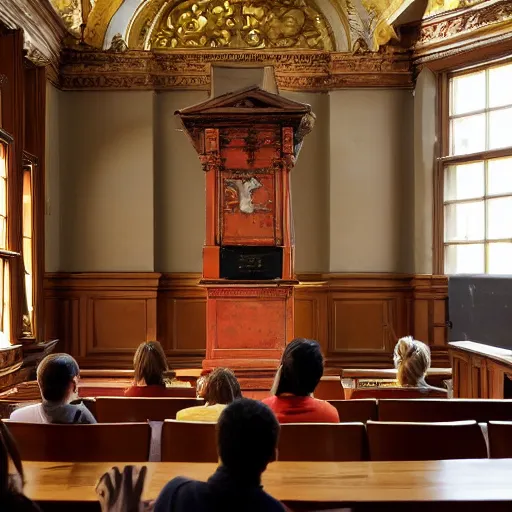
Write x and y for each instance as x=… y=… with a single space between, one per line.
x=500 y=176
x=478 y=188
x=466 y=222
x=468 y=93
x=465 y=259
x=499 y=218
x=468 y=134
x=4 y=340
x=500 y=128
x=500 y=86
x=464 y=182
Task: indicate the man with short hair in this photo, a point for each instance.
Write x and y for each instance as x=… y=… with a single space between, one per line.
x=247 y=436
x=57 y=376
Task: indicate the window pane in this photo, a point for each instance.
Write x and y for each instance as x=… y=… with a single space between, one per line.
x=464 y=222
x=499 y=218
x=3 y=161
x=465 y=259
x=500 y=258
x=468 y=93
x=499 y=173
x=500 y=128
x=27 y=254
x=464 y=181
x=500 y=88
x=6 y=328
x=3 y=197
x=3 y=233
x=468 y=134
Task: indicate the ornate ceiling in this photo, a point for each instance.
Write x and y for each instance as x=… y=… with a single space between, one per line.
x=332 y=25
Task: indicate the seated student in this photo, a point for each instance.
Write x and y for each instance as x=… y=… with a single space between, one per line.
x=247 y=436
x=57 y=376
x=11 y=485
x=302 y=367
x=222 y=388
x=412 y=361
x=152 y=375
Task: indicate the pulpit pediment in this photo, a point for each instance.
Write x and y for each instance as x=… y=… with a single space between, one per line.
x=251 y=100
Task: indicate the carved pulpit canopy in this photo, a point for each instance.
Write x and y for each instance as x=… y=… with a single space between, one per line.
x=249 y=103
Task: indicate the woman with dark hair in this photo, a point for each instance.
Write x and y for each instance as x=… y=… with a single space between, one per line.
x=151 y=372
x=11 y=486
x=221 y=389
x=300 y=371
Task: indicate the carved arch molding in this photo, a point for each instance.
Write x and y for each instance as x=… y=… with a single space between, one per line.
x=230 y=24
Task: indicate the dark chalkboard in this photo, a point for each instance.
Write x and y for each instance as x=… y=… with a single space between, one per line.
x=480 y=309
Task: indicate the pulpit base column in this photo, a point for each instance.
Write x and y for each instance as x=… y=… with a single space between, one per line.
x=248 y=327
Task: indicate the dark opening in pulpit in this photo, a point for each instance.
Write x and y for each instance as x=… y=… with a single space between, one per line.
x=253 y=263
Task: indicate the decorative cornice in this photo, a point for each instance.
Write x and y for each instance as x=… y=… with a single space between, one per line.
x=43 y=29
x=304 y=70
x=447 y=35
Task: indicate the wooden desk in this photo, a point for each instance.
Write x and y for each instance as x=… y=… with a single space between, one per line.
x=480 y=371
x=303 y=483
x=435 y=377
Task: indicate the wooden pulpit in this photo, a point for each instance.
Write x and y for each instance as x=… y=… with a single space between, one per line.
x=248 y=141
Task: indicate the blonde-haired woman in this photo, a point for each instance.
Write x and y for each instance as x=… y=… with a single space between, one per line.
x=412 y=361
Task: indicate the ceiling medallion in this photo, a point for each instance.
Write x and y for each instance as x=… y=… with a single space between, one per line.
x=254 y=24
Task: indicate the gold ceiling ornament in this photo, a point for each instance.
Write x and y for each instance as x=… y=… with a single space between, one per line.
x=71 y=13
x=438 y=6
x=241 y=24
x=98 y=21
x=381 y=15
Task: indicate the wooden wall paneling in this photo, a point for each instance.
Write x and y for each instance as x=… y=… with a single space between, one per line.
x=430 y=299
x=479 y=385
x=182 y=318
x=357 y=319
x=101 y=318
x=367 y=313
x=461 y=374
x=311 y=309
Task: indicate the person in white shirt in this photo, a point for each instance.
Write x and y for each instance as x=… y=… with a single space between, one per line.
x=57 y=376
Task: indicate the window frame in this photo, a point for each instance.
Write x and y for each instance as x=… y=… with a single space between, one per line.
x=31 y=161
x=445 y=159
x=7 y=255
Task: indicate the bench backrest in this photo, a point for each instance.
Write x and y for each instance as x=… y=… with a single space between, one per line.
x=124 y=409
x=120 y=442
x=425 y=441
x=356 y=410
x=426 y=410
x=500 y=439
x=398 y=393
x=184 y=441
x=332 y=442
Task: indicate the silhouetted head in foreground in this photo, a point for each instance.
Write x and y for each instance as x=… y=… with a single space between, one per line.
x=247 y=436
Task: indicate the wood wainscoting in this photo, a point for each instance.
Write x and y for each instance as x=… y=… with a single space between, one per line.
x=100 y=318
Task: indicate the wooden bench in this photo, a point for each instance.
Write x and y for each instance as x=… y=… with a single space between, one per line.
x=122 y=442
x=425 y=410
x=329 y=442
x=398 y=393
x=356 y=410
x=124 y=409
x=189 y=441
x=425 y=441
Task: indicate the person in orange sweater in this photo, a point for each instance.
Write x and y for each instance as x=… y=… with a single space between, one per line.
x=300 y=371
